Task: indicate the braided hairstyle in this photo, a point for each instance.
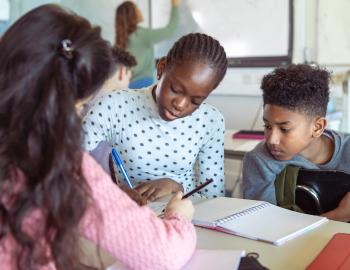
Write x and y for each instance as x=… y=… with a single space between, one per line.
x=126 y=21
x=199 y=47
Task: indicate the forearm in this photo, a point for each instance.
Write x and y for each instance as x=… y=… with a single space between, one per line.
x=124 y=229
x=338 y=215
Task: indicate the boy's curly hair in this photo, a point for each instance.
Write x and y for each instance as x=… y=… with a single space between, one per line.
x=122 y=57
x=301 y=88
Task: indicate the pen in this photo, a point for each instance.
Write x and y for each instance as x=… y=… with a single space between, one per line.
x=197 y=188
x=119 y=163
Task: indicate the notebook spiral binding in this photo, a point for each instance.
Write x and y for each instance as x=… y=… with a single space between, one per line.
x=242 y=213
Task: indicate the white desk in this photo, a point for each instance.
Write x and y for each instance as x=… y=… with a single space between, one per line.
x=237 y=148
x=293 y=255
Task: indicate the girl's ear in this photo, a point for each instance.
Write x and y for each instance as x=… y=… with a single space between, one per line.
x=319 y=126
x=161 y=67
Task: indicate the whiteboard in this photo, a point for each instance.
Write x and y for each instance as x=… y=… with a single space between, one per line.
x=100 y=13
x=246 y=28
x=333 y=35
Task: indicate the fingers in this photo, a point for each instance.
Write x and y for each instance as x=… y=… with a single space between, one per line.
x=142 y=187
x=149 y=192
x=178 y=196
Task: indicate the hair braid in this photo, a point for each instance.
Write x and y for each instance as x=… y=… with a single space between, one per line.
x=199 y=47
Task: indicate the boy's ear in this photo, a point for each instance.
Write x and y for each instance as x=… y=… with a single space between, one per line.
x=161 y=67
x=319 y=126
x=121 y=73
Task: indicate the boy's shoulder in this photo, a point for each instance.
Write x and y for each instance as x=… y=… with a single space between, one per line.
x=260 y=152
x=125 y=96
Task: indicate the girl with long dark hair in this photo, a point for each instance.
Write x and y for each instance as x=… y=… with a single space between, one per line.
x=50 y=190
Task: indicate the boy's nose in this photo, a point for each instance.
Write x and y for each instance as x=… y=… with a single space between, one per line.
x=273 y=138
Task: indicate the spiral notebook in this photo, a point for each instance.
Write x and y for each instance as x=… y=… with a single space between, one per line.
x=256 y=220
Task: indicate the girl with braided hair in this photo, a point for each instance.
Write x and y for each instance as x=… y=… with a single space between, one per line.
x=167 y=137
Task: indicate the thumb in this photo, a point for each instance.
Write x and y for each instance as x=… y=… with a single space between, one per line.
x=179 y=195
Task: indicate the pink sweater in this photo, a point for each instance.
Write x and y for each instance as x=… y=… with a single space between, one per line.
x=133 y=234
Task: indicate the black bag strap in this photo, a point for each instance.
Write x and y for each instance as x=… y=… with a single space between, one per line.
x=250 y=262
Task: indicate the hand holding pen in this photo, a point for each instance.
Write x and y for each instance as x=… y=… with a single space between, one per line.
x=180 y=206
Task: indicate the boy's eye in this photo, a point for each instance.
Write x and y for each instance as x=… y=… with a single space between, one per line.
x=284 y=130
x=266 y=126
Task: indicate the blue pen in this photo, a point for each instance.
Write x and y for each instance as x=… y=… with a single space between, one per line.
x=119 y=163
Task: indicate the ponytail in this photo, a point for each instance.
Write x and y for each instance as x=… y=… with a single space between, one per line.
x=125 y=23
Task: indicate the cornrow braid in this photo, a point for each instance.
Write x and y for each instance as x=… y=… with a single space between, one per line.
x=198 y=46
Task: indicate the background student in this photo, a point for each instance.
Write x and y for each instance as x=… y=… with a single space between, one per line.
x=140 y=41
x=122 y=62
x=295 y=104
x=168 y=139
x=4 y=16
x=51 y=191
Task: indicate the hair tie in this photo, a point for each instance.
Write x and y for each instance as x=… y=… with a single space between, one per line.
x=66 y=48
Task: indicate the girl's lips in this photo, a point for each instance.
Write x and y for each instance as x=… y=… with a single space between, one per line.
x=170 y=115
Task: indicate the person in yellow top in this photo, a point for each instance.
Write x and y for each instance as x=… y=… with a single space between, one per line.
x=139 y=41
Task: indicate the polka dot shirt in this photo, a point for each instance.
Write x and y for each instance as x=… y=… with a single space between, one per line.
x=188 y=150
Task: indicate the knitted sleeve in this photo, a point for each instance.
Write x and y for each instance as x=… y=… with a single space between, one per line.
x=133 y=234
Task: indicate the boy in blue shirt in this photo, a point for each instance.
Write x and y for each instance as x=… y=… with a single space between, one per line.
x=295 y=104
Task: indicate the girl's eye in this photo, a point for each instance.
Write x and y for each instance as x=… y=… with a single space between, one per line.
x=196 y=102
x=266 y=126
x=174 y=90
x=284 y=130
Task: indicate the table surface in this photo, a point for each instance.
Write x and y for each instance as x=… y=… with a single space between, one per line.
x=236 y=148
x=294 y=254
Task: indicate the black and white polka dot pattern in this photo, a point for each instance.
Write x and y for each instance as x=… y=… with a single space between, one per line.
x=188 y=150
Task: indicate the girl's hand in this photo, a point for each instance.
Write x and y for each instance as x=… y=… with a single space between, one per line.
x=134 y=195
x=175 y=3
x=156 y=189
x=342 y=212
x=182 y=207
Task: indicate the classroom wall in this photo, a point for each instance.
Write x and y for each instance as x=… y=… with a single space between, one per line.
x=240 y=110
x=238 y=96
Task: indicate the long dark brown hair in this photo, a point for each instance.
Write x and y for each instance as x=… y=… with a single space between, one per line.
x=126 y=20
x=50 y=58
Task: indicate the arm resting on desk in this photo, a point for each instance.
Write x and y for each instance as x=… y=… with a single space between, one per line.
x=133 y=234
